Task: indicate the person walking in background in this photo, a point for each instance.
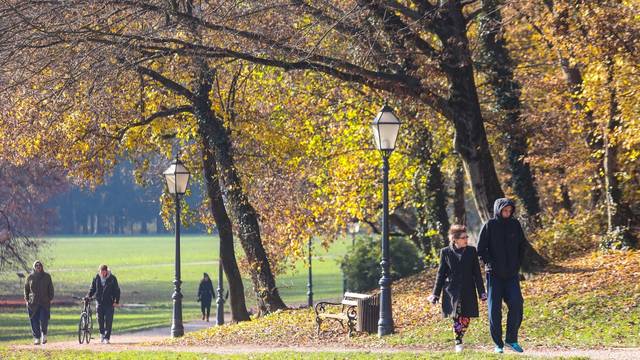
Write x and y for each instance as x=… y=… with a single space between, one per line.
x=205 y=295
x=105 y=288
x=501 y=246
x=460 y=281
x=38 y=293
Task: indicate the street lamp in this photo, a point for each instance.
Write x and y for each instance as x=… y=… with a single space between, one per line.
x=353 y=227
x=220 y=291
x=310 y=281
x=177 y=178
x=385 y=132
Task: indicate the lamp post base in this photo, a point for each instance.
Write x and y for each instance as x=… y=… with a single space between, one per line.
x=177 y=327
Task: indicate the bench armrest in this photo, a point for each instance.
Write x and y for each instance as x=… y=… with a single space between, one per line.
x=321 y=306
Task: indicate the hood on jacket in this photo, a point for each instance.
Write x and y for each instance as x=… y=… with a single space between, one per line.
x=37 y=262
x=500 y=204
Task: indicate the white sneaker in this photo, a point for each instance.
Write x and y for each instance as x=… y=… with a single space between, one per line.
x=36 y=341
x=101 y=339
x=459 y=348
x=44 y=339
x=106 y=341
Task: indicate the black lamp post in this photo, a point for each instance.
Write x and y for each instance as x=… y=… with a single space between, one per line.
x=353 y=227
x=220 y=298
x=385 y=132
x=310 y=281
x=177 y=178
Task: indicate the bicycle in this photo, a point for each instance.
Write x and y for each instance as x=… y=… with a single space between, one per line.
x=85 y=326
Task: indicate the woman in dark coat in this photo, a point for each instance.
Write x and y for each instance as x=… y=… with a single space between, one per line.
x=205 y=295
x=460 y=281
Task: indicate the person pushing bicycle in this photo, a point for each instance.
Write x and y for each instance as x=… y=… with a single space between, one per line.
x=107 y=292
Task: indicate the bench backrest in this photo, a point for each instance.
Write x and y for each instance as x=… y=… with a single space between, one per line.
x=353 y=295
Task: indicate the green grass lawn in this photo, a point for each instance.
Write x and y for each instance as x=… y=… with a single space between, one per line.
x=154 y=355
x=144 y=266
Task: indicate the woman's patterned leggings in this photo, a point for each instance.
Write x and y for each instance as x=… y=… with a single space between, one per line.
x=460 y=325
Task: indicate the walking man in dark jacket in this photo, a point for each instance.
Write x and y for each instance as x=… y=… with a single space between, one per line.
x=38 y=293
x=105 y=288
x=501 y=247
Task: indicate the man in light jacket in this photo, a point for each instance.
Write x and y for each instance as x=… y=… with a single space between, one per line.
x=105 y=287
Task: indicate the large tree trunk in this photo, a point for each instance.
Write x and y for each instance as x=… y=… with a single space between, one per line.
x=438 y=190
x=430 y=191
x=244 y=214
x=499 y=68
x=225 y=232
x=566 y=202
x=471 y=138
x=574 y=81
x=214 y=131
x=594 y=141
x=618 y=215
x=459 y=209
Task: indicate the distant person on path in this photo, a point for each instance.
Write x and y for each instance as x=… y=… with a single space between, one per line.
x=501 y=246
x=460 y=282
x=205 y=295
x=105 y=288
x=38 y=293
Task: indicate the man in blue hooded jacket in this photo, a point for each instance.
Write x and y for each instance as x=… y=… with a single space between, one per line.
x=501 y=247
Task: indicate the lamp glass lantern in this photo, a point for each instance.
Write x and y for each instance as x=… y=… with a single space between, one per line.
x=177 y=177
x=385 y=128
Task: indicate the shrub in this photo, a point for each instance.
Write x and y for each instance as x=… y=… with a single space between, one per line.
x=563 y=235
x=361 y=265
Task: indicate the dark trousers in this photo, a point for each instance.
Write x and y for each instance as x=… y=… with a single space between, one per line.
x=39 y=321
x=105 y=319
x=507 y=290
x=206 y=308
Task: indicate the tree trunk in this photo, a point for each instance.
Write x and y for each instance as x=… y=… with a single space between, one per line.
x=437 y=188
x=459 y=210
x=430 y=191
x=225 y=232
x=618 y=218
x=573 y=78
x=214 y=131
x=471 y=138
x=566 y=202
x=499 y=68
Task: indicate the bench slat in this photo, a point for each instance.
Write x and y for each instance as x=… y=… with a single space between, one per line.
x=334 y=316
x=350 y=302
x=356 y=295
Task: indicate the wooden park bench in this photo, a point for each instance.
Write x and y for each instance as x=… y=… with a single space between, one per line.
x=356 y=312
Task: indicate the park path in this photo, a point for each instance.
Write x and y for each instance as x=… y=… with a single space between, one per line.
x=143 y=341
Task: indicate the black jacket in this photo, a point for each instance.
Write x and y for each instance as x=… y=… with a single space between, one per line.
x=460 y=281
x=107 y=295
x=502 y=243
x=205 y=292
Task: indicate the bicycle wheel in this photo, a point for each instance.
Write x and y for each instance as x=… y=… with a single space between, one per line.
x=82 y=325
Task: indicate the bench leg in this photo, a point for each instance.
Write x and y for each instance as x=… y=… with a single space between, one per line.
x=352 y=328
x=318 y=323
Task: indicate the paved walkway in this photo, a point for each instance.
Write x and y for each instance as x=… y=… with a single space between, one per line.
x=140 y=340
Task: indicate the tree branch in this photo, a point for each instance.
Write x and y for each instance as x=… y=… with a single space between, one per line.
x=154 y=116
x=166 y=82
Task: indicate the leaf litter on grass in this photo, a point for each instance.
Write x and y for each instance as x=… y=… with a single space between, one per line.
x=572 y=304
